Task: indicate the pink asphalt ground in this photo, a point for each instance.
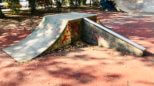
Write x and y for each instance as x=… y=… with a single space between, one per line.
x=89 y=66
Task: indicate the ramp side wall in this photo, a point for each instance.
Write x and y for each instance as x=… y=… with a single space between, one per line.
x=97 y=36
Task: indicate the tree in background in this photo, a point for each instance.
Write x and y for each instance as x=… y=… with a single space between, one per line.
x=58 y=5
x=32 y=5
x=84 y=2
x=95 y=2
x=47 y=4
x=14 y=5
x=108 y=5
x=1 y=13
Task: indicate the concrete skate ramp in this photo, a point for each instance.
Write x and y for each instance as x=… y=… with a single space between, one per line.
x=102 y=36
x=136 y=6
x=48 y=34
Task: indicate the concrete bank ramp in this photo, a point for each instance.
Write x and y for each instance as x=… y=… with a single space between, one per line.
x=50 y=32
x=56 y=31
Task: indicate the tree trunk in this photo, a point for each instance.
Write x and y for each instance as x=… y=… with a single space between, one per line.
x=108 y=5
x=58 y=5
x=90 y=3
x=32 y=5
x=1 y=13
x=14 y=6
x=84 y=2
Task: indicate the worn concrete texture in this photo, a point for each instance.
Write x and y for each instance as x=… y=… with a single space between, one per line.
x=50 y=29
x=59 y=30
x=103 y=36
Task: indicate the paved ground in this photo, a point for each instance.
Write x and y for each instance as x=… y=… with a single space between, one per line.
x=89 y=66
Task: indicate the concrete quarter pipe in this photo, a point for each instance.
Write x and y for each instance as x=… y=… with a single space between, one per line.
x=58 y=30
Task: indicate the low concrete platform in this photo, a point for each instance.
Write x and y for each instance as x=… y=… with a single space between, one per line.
x=103 y=36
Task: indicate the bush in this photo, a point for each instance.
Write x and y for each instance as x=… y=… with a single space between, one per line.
x=14 y=6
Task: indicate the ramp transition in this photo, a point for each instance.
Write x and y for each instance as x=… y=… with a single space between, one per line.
x=55 y=31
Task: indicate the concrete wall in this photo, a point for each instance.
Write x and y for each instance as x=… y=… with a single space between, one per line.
x=102 y=36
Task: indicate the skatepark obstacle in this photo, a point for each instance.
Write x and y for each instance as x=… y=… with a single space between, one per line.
x=55 y=31
x=103 y=36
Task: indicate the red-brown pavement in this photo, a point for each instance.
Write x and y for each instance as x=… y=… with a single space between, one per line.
x=89 y=66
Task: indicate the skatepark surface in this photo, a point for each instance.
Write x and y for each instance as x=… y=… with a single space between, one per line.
x=89 y=66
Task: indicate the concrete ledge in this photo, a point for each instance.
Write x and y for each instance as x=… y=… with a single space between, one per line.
x=97 y=34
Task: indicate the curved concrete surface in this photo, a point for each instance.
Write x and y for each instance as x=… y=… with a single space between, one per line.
x=45 y=35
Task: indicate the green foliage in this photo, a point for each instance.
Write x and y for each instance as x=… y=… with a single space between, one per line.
x=72 y=3
x=95 y=2
x=14 y=5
